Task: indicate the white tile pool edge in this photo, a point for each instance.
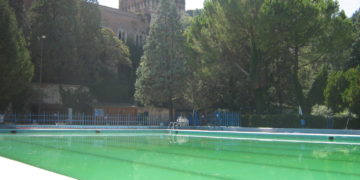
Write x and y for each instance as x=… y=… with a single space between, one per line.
x=206 y=128
x=14 y=170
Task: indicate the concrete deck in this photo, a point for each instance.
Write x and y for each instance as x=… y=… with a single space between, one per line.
x=14 y=170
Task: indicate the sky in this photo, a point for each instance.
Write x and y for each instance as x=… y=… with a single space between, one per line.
x=350 y=6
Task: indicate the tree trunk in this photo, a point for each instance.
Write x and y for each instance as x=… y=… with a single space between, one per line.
x=255 y=79
x=297 y=86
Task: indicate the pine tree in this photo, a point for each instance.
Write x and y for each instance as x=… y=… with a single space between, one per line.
x=162 y=69
x=16 y=69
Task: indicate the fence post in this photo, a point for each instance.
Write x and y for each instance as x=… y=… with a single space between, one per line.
x=15 y=120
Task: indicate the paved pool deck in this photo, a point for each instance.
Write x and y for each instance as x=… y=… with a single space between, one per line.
x=14 y=170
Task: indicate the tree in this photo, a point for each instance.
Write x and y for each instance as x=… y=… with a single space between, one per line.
x=88 y=41
x=336 y=85
x=343 y=91
x=259 y=54
x=19 y=9
x=16 y=69
x=161 y=73
x=54 y=26
x=355 y=49
x=227 y=40
x=351 y=95
x=77 y=99
x=111 y=72
x=356 y=20
x=316 y=93
x=355 y=53
x=295 y=28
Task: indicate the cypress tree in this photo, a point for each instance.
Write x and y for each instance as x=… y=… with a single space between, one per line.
x=161 y=73
x=16 y=69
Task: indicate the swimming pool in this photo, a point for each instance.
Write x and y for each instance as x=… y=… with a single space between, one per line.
x=158 y=154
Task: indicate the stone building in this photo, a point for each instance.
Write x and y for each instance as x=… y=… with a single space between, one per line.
x=131 y=21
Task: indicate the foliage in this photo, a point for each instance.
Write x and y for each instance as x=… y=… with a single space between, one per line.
x=225 y=39
x=356 y=20
x=316 y=93
x=293 y=121
x=351 y=95
x=256 y=54
x=343 y=91
x=77 y=99
x=136 y=53
x=113 y=51
x=336 y=85
x=355 y=53
x=88 y=41
x=112 y=70
x=19 y=9
x=345 y=114
x=294 y=27
x=54 y=31
x=194 y=13
x=77 y=50
x=321 y=110
x=162 y=69
x=16 y=69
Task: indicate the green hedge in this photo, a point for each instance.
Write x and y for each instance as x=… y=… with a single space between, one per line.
x=293 y=121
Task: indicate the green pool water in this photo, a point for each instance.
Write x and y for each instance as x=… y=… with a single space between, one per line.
x=160 y=155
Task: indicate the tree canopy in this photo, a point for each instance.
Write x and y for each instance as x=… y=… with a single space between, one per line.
x=260 y=54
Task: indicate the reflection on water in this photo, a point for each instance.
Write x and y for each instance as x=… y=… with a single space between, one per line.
x=164 y=156
x=174 y=139
x=328 y=151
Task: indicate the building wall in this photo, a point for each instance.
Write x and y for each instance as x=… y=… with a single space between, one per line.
x=129 y=27
x=145 y=6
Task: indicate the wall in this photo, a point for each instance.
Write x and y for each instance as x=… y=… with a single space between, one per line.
x=129 y=27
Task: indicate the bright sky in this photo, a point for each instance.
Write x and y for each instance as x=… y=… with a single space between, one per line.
x=350 y=6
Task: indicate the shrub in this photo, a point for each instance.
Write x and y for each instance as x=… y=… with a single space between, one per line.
x=321 y=110
x=351 y=95
x=345 y=114
x=336 y=85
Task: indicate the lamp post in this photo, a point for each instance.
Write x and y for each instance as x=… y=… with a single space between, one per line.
x=41 y=39
x=41 y=58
